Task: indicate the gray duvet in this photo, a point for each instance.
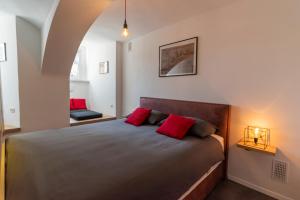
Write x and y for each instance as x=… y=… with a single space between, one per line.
x=105 y=161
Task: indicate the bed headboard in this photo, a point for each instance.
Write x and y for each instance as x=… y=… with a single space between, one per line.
x=217 y=114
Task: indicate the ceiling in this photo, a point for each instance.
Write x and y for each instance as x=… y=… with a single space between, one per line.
x=35 y=11
x=144 y=16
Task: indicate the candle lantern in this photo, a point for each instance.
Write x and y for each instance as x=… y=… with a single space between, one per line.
x=257 y=136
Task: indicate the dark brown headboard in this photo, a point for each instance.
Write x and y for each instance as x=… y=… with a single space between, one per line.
x=217 y=114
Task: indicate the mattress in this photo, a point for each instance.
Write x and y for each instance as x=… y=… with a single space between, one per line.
x=191 y=189
x=80 y=115
x=215 y=166
x=109 y=160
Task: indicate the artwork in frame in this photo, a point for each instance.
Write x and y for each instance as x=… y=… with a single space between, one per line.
x=178 y=58
x=3 y=57
x=104 y=67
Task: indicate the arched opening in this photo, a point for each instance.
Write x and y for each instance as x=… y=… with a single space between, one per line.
x=94 y=77
x=41 y=75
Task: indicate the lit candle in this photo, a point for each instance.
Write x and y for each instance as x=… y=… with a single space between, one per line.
x=256 y=135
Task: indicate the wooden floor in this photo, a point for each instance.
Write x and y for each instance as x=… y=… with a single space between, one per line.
x=90 y=121
x=11 y=129
x=228 y=190
x=8 y=129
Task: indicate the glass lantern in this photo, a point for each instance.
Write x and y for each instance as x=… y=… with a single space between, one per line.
x=257 y=137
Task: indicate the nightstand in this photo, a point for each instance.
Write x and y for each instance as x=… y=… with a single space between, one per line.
x=251 y=147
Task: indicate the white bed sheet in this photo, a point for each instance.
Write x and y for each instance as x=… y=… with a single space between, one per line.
x=220 y=139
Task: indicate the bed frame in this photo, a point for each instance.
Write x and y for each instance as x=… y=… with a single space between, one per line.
x=217 y=114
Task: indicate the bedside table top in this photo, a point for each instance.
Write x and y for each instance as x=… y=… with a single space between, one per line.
x=259 y=148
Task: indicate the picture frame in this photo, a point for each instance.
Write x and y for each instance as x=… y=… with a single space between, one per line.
x=104 y=67
x=179 y=58
x=3 y=56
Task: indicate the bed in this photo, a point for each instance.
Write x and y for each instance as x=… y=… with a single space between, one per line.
x=79 y=111
x=114 y=160
x=81 y=115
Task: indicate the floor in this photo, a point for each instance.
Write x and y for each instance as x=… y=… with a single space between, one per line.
x=11 y=129
x=91 y=121
x=228 y=190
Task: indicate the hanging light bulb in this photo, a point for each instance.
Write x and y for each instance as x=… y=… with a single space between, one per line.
x=125 y=32
x=125 y=29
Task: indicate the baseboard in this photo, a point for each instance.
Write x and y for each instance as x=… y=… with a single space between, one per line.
x=258 y=188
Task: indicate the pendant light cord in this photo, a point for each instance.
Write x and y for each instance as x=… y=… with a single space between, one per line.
x=125 y=26
x=125 y=10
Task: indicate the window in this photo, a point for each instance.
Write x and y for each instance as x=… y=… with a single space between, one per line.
x=75 y=67
x=78 y=71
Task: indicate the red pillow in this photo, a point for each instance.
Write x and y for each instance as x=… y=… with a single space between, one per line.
x=71 y=105
x=79 y=104
x=176 y=126
x=138 y=116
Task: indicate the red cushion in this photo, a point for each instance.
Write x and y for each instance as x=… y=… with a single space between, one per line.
x=71 y=105
x=176 y=126
x=79 y=104
x=138 y=116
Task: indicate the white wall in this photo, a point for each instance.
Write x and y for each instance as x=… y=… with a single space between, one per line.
x=102 y=87
x=119 y=79
x=47 y=25
x=102 y=91
x=44 y=99
x=80 y=89
x=9 y=71
x=80 y=86
x=66 y=33
x=249 y=58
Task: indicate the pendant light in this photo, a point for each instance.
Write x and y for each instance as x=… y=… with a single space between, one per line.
x=125 y=26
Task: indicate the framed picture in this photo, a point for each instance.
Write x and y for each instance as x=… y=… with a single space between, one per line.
x=3 y=57
x=104 y=67
x=178 y=58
